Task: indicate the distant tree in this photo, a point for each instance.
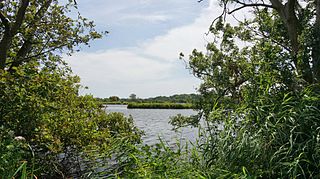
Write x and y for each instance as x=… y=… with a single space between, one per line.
x=133 y=96
x=114 y=98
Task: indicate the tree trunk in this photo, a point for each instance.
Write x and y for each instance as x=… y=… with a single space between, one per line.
x=10 y=31
x=4 y=47
x=316 y=44
x=288 y=15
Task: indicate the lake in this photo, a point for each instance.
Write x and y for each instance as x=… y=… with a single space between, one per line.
x=154 y=122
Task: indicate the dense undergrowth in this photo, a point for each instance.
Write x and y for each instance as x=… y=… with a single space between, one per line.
x=259 y=107
x=48 y=130
x=259 y=104
x=46 y=123
x=277 y=137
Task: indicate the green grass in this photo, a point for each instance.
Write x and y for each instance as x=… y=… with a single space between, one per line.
x=160 y=106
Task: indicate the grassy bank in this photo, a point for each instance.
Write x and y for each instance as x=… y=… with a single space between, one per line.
x=160 y=105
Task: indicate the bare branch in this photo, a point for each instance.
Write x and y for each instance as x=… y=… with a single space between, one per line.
x=262 y=34
x=42 y=51
x=244 y=5
x=222 y=14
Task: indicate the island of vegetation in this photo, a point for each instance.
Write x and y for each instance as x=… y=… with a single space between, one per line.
x=164 y=105
x=178 y=101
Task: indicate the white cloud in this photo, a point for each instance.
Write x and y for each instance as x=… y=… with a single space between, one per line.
x=183 y=39
x=149 y=69
x=153 y=18
x=118 y=66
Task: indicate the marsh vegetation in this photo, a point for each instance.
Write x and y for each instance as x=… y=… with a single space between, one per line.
x=265 y=94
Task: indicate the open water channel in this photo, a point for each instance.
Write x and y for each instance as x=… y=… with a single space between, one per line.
x=154 y=122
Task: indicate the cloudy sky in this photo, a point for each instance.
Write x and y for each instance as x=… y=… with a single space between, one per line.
x=141 y=53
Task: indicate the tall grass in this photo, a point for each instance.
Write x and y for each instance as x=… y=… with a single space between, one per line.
x=276 y=137
x=23 y=172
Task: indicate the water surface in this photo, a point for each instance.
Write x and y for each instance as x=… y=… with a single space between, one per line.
x=154 y=122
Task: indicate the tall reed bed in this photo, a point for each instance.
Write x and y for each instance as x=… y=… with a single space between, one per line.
x=160 y=106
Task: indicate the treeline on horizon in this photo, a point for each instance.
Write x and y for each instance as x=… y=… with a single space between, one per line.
x=177 y=98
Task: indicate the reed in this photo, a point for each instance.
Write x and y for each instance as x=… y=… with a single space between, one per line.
x=160 y=106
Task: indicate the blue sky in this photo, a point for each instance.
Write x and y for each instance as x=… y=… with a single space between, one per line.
x=141 y=53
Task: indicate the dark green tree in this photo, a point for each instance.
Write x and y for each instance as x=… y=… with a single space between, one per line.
x=300 y=22
x=260 y=91
x=39 y=100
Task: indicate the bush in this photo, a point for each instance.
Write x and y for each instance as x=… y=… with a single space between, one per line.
x=43 y=106
x=13 y=151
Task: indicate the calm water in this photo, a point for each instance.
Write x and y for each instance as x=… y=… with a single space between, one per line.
x=154 y=122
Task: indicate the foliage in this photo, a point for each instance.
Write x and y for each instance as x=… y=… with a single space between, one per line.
x=159 y=161
x=260 y=101
x=114 y=98
x=160 y=105
x=35 y=30
x=39 y=98
x=162 y=161
x=177 y=98
x=133 y=97
x=276 y=137
x=13 y=151
x=43 y=106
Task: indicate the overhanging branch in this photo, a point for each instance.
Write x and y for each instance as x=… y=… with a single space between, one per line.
x=244 y=5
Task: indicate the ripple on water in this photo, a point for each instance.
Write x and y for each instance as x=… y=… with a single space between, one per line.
x=154 y=122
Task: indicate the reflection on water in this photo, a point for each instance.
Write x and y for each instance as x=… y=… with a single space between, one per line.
x=154 y=122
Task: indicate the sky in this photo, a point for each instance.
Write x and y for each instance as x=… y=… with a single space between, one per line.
x=140 y=55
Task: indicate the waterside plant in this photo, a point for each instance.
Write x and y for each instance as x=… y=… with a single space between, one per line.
x=160 y=106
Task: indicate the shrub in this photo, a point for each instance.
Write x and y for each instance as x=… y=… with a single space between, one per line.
x=44 y=107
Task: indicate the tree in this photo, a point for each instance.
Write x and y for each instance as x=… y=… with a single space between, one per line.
x=259 y=99
x=36 y=30
x=45 y=109
x=133 y=97
x=284 y=43
x=39 y=99
x=301 y=20
x=114 y=98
